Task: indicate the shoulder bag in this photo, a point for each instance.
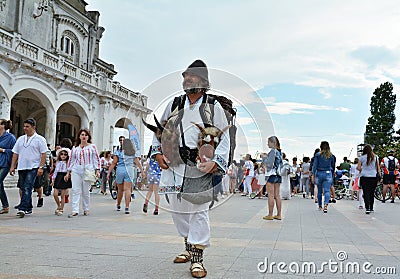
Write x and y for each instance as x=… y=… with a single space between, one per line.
x=89 y=175
x=197 y=187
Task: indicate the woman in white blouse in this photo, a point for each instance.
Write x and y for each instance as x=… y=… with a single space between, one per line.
x=83 y=156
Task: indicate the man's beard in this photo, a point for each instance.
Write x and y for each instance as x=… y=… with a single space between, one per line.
x=193 y=90
x=192 y=87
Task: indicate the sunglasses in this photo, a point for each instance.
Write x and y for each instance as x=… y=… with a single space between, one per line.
x=63 y=154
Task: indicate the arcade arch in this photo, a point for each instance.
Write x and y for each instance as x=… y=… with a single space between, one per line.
x=69 y=121
x=28 y=103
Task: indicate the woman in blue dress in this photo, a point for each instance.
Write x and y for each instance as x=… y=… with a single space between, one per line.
x=153 y=171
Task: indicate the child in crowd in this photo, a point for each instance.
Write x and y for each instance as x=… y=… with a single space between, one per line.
x=61 y=181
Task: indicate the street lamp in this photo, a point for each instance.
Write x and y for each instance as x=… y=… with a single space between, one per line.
x=39 y=8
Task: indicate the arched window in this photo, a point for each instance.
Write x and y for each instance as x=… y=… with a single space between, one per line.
x=69 y=45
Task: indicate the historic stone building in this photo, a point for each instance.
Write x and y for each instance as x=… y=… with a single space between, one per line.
x=50 y=70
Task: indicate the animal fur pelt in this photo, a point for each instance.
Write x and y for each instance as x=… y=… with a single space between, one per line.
x=168 y=135
x=208 y=140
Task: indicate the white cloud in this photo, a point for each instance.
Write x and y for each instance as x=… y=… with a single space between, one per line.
x=242 y=121
x=263 y=48
x=268 y=100
x=325 y=93
x=300 y=108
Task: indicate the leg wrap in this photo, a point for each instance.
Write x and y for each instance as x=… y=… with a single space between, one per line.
x=188 y=246
x=186 y=255
x=197 y=254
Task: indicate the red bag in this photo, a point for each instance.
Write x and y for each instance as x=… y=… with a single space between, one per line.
x=247 y=172
x=355 y=184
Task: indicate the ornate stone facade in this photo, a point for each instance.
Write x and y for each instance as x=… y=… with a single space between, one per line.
x=50 y=70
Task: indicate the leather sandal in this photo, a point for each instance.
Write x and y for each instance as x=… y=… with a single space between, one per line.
x=56 y=211
x=325 y=208
x=268 y=217
x=5 y=210
x=197 y=270
x=72 y=215
x=183 y=258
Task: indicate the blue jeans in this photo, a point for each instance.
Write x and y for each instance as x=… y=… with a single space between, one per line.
x=3 y=196
x=217 y=183
x=26 y=180
x=104 y=181
x=324 y=180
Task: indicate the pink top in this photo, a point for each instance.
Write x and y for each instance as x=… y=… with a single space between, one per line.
x=82 y=158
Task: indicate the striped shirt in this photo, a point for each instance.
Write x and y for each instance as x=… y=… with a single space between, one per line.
x=81 y=158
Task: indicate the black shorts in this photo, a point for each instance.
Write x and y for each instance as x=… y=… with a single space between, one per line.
x=389 y=179
x=39 y=181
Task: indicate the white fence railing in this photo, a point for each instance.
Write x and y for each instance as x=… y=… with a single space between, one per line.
x=14 y=43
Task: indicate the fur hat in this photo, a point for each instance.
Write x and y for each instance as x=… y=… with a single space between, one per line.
x=197 y=68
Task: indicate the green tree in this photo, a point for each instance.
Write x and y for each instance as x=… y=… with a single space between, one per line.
x=379 y=130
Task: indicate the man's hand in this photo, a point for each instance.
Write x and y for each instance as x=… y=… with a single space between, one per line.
x=39 y=172
x=12 y=171
x=161 y=162
x=208 y=167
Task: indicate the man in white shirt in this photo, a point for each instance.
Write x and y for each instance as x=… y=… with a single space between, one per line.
x=30 y=154
x=190 y=219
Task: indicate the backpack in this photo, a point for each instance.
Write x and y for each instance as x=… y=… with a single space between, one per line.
x=207 y=115
x=278 y=164
x=284 y=169
x=391 y=165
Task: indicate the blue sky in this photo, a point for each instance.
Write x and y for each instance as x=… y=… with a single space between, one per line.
x=308 y=67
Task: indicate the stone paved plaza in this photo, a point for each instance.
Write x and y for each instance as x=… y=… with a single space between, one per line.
x=110 y=244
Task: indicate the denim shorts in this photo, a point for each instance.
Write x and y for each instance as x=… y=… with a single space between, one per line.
x=125 y=174
x=274 y=179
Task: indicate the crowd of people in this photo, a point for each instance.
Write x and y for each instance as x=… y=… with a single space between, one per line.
x=68 y=168
x=315 y=178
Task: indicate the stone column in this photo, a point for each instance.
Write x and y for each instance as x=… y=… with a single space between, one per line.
x=84 y=122
x=5 y=107
x=111 y=138
x=50 y=130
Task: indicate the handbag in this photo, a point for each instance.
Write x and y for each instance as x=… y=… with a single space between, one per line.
x=197 y=187
x=89 y=176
